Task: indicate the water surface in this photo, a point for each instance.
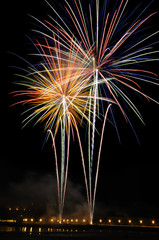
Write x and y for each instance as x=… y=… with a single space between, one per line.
x=32 y=233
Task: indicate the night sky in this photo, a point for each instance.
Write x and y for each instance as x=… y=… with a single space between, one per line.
x=128 y=178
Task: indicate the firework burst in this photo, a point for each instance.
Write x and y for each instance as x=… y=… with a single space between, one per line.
x=117 y=52
x=96 y=56
x=58 y=92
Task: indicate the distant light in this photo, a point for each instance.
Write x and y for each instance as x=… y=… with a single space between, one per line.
x=25 y=219
x=8 y=220
x=32 y=220
x=84 y=220
x=129 y=221
x=31 y=229
x=52 y=219
x=153 y=222
x=64 y=220
x=40 y=220
x=39 y=230
x=100 y=220
x=109 y=220
x=141 y=221
x=76 y=220
x=10 y=209
x=119 y=221
x=68 y=220
x=71 y=220
x=17 y=209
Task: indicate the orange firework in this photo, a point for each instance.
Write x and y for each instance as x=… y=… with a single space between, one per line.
x=59 y=89
x=58 y=92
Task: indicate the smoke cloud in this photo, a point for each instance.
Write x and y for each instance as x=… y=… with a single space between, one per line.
x=38 y=193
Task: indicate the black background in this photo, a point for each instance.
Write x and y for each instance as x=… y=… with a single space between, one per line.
x=128 y=178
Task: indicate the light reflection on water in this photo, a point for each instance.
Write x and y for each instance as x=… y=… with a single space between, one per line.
x=48 y=233
x=7 y=229
x=35 y=229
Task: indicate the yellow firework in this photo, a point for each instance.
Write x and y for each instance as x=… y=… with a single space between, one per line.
x=59 y=89
x=59 y=92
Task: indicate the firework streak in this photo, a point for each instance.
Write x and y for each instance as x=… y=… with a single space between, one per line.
x=92 y=60
x=116 y=51
x=58 y=91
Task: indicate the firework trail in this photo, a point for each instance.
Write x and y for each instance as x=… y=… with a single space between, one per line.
x=58 y=91
x=98 y=162
x=117 y=52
